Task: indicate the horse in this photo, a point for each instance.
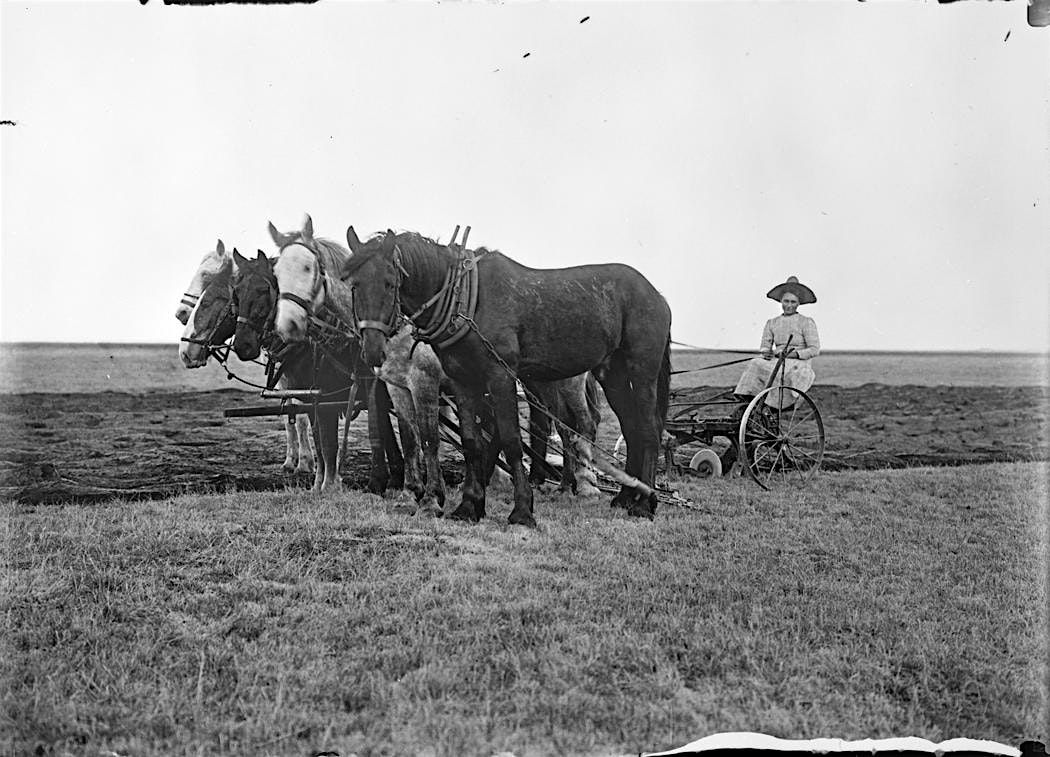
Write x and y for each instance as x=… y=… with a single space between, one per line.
x=492 y=319
x=211 y=320
x=305 y=291
x=213 y=262
x=299 y=456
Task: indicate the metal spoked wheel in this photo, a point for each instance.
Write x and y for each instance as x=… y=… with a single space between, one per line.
x=781 y=437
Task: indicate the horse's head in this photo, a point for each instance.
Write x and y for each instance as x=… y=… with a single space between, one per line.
x=255 y=300
x=214 y=262
x=374 y=272
x=300 y=279
x=210 y=323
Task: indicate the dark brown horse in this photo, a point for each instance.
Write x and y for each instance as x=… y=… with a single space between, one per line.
x=539 y=325
x=332 y=370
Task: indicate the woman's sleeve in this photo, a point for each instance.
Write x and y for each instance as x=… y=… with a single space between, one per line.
x=767 y=337
x=812 y=339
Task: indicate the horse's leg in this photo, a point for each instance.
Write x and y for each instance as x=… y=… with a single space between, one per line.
x=315 y=427
x=306 y=443
x=329 y=422
x=539 y=431
x=378 y=422
x=291 y=454
x=618 y=393
x=472 y=503
x=643 y=379
x=491 y=443
x=505 y=407
x=426 y=393
x=578 y=449
x=402 y=399
x=395 y=460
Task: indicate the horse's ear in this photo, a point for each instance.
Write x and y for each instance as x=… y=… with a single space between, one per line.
x=275 y=235
x=238 y=259
x=261 y=257
x=308 y=227
x=220 y=248
x=351 y=239
x=389 y=241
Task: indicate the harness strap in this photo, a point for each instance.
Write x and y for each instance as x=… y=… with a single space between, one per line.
x=307 y=306
x=380 y=325
x=457 y=300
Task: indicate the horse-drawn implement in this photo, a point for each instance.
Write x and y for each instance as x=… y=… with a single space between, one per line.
x=776 y=437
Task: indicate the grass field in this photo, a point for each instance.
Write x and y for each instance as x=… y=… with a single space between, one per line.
x=872 y=604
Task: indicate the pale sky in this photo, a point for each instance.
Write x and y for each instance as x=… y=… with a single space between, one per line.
x=892 y=155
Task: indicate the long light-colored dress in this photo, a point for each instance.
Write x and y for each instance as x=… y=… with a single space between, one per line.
x=798 y=371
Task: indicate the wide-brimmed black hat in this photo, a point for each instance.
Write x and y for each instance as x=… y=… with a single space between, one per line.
x=804 y=293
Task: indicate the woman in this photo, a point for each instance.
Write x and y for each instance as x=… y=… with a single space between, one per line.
x=805 y=345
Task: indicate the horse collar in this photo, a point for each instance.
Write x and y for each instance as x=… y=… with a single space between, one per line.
x=456 y=302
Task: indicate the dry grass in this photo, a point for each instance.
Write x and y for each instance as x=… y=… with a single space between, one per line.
x=870 y=605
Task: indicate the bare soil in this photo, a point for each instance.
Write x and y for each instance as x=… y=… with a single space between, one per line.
x=94 y=447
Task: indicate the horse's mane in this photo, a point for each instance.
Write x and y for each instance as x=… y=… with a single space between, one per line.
x=333 y=255
x=410 y=242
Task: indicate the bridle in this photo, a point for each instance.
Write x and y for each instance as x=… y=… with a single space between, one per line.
x=319 y=273
x=229 y=312
x=322 y=327
x=393 y=319
x=261 y=330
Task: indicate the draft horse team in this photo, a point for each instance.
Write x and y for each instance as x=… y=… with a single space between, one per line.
x=426 y=317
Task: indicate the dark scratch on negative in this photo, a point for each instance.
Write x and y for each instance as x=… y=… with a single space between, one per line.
x=8 y=123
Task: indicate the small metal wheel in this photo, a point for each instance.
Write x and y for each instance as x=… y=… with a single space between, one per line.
x=706 y=463
x=782 y=442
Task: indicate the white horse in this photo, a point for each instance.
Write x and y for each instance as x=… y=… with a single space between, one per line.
x=216 y=264
x=305 y=271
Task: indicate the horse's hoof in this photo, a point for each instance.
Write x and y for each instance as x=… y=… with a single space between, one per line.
x=375 y=486
x=305 y=469
x=287 y=467
x=620 y=500
x=466 y=513
x=524 y=519
x=588 y=492
x=426 y=511
x=640 y=510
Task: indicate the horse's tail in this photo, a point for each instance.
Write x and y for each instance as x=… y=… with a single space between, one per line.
x=593 y=400
x=663 y=384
